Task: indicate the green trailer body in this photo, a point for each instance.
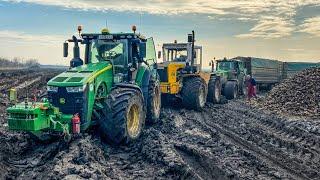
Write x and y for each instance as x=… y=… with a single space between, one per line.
x=265 y=71
x=292 y=68
x=268 y=72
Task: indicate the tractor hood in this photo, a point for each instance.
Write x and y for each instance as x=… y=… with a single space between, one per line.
x=80 y=75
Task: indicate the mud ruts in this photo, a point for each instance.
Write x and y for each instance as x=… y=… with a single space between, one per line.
x=226 y=141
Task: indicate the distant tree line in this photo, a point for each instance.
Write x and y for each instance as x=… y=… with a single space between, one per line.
x=18 y=62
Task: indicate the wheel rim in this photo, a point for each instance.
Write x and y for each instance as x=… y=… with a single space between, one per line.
x=133 y=122
x=156 y=102
x=217 y=92
x=202 y=96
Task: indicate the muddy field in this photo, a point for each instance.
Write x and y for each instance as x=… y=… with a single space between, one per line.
x=225 y=141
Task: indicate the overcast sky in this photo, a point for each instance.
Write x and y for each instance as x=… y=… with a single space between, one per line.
x=287 y=30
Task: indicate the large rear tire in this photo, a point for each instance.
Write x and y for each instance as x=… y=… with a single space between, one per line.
x=231 y=90
x=214 y=90
x=153 y=102
x=194 y=93
x=243 y=88
x=125 y=116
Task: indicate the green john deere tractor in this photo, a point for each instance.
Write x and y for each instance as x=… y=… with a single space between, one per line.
x=116 y=88
x=232 y=74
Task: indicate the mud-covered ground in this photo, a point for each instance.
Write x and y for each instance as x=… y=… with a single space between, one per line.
x=225 y=141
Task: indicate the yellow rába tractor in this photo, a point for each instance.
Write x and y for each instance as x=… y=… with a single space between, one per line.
x=181 y=76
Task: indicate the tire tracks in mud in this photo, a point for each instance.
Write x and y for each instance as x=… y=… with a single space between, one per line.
x=254 y=150
x=199 y=165
x=289 y=140
x=291 y=166
x=229 y=141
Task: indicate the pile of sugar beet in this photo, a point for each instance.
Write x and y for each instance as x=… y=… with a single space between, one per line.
x=296 y=96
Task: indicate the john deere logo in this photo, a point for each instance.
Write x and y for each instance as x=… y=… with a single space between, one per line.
x=62 y=101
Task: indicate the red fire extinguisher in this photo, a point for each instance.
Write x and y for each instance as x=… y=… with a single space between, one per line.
x=76 y=124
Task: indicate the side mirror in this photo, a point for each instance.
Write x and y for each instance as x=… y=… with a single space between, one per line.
x=65 y=49
x=211 y=64
x=143 y=50
x=190 y=38
x=159 y=54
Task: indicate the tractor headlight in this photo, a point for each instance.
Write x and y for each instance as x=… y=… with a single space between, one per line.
x=52 y=88
x=76 y=89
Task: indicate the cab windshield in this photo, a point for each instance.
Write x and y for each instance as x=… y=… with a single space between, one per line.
x=101 y=50
x=176 y=55
x=225 y=65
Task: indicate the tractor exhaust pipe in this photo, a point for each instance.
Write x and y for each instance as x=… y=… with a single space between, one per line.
x=192 y=56
x=76 y=49
x=191 y=39
x=76 y=61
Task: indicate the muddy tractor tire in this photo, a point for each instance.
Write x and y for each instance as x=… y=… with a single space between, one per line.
x=125 y=116
x=243 y=88
x=153 y=102
x=194 y=93
x=231 y=90
x=214 y=90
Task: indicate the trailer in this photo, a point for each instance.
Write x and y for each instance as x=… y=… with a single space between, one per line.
x=292 y=68
x=267 y=72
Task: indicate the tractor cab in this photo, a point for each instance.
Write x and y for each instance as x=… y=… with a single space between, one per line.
x=181 y=53
x=230 y=67
x=126 y=52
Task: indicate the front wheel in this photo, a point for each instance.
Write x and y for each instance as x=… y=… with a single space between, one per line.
x=214 y=90
x=153 y=101
x=194 y=93
x=231 y=90
x=125 y=116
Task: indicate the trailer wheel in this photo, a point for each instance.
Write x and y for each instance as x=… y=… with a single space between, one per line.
x=153 y=101
x=194 y=93
x=231 y=90
x=214 y=90
x=125 y=116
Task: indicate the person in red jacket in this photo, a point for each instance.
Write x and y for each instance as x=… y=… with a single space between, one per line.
x=251 y=87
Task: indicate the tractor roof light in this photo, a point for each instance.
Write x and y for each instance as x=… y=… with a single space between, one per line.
x=134 y=28
x=105 y=31
x=79 y=29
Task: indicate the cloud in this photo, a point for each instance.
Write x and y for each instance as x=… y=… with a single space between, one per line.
x=295 y=49
x=165 y=7
x=311 y=26
x=21 y=37
x=273 y=18
x=270 y=28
